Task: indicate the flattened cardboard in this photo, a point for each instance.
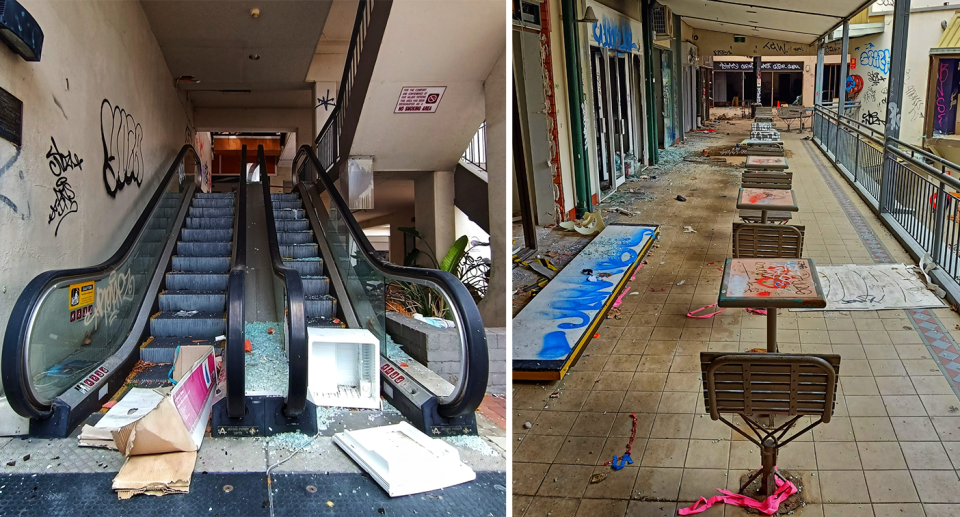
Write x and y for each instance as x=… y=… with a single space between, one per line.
x=157 y=474
x=161 y=446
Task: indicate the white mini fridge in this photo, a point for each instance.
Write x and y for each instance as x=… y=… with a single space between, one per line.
x=344 y=368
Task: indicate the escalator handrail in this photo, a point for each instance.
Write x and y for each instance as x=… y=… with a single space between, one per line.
x=236 y=319
x=295 y=314
x=472 y=384
x=13 y=371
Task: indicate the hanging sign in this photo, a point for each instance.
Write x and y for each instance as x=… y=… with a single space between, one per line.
x=419 y=99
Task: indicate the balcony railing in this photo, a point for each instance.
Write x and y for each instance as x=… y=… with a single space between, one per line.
x=915 y=193
x=476 y=152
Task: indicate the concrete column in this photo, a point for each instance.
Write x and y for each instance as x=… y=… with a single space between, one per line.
x=493 y=308
x=898 y=56
x=818 y=76
x=404 y=219
x=433 y=201
x=756 y=75
x=844 y=60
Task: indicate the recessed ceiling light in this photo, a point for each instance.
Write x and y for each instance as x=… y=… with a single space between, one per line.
x=254 y=57
x=255 y=12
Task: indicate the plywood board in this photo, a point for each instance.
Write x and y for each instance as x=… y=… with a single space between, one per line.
x=853 y=287
x=552 y=330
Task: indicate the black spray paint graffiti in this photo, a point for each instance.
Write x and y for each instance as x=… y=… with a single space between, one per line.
x=777 y=47
x=871 y=118
x=122 y=156
x=870 y=95
x=327 y=101
x=4 y=200
x=915 y=103
x=65 y=201
x=723 y=52
x=876 y=78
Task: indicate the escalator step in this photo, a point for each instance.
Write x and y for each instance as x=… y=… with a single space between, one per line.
x=285 y=197
x=203 y=249
x=324 y=323
x=306 y=267
x=288 y=214
x=197 y=326
x=292 y=225
x=321 y=306
x=208 y=236
x=210 y=212
x=201 y=264
x=206 y=301
x=209 y=223
x=212 y=203
x=299 y=251
x=315 y=285
x=287 y=205
x=285 y=238
x=216 y=195
x=155 y=376
x=197 y=281
x=164 y=349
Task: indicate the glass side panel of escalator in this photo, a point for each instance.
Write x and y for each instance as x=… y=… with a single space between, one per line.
x=81 y=322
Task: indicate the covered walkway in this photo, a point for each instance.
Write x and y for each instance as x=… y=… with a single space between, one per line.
x=893 y=447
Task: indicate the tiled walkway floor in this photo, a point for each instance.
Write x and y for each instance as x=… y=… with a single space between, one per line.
x=893 y=447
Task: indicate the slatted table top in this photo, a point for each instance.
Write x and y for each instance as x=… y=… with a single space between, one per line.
x=767 y=199
x=766 y=162
x=781 y=283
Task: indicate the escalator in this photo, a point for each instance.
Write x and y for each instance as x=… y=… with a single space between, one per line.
x=332 y=277
x=167 y=285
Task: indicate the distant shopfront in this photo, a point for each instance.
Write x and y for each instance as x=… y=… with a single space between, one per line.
x=734 y=85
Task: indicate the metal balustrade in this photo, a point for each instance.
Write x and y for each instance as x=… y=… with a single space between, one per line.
x=913 y=192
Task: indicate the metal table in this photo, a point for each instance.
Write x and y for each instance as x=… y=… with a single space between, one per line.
x=766 y=199
x=766 y=163
x=771 y=284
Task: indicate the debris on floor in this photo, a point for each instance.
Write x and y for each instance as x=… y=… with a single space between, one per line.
x=267 y=366
x=403 y=460
x=591 y=223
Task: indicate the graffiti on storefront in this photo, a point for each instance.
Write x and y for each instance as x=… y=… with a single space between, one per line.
x=610 y=35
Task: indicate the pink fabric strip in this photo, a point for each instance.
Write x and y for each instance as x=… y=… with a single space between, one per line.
x=769 y=506
x=692 y=314
x=620 y=298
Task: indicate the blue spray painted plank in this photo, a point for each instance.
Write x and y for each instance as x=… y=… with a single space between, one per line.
x=552 y=329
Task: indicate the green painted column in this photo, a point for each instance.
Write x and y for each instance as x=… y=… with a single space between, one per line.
x=571 y=54
x=650 y=97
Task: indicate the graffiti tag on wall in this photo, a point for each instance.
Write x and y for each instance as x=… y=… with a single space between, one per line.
x=610 y=35
x=878 y=58
x=65 y=200
x=326 y=101
x=122 y=155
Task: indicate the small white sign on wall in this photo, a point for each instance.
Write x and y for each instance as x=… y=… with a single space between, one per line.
x=419 y=99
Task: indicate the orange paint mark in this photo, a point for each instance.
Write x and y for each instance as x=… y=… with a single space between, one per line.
x=763 y=293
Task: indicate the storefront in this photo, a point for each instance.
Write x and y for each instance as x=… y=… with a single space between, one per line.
x=780 y=82
x=615 y=72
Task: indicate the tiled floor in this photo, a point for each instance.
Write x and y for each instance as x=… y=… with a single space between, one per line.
x=893 y=447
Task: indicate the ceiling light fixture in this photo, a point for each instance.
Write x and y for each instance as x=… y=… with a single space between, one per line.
x=254 y=57
x=255 y=12
x=20 y=31
x=589 y=16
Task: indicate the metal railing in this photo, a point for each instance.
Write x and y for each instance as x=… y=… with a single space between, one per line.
x=328 y=140
x=914 y=192
x=476 y=152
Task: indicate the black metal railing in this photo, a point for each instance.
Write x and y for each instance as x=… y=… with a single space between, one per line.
x=476 y=152
x=236 y=321
x=295 y=310
x=366 y=274
x=109 y=335
x=914 y=192
x=328 y=141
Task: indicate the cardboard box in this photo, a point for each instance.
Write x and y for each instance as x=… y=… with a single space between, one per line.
x=161 y=445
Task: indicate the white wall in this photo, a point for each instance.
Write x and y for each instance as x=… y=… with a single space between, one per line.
x=92 y=52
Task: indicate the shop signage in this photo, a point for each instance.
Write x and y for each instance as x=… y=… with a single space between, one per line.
x=747 y=66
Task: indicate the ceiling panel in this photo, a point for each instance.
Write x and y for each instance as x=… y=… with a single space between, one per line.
x=788 y=20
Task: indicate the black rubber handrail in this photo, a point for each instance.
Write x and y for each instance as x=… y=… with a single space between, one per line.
x=13 y=370
x=475 y=366
x=296 y=315
x=236 y=321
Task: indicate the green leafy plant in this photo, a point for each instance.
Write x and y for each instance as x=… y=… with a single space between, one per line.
x=422 y=299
